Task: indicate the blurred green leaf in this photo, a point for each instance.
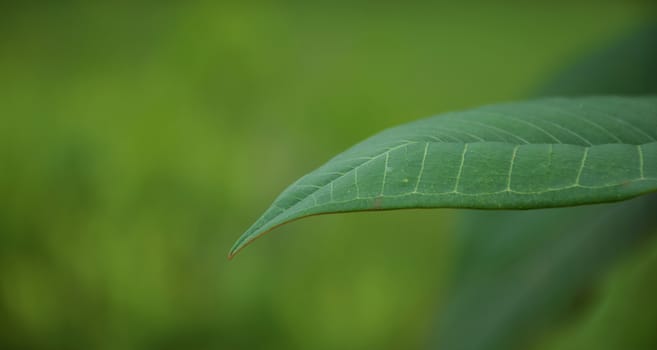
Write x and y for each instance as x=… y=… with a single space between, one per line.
x=521 y=273
x=624 y=315
x=537 y=154
x=628 y=66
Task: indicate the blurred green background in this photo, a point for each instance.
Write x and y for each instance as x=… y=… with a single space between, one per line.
x=138 y=141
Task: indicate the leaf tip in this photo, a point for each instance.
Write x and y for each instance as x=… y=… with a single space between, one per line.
x=235 y=249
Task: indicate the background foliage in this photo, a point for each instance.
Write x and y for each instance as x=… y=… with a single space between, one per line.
x=139 y=140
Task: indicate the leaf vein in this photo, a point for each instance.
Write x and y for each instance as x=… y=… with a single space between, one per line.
x=571 y=132
x=581 y=166
x=460 y=171
x=641 y=165
x=621 y=121
x=419 y=176
x=513 y=159
x=590 y=122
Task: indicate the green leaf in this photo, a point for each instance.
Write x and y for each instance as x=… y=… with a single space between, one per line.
x=545 y=153
x=627 y=67
x=537 y=269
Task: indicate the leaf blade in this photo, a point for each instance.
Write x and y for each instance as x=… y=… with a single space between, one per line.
x=546 y=153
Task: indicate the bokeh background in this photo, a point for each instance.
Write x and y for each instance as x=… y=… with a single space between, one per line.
x=138 y=141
